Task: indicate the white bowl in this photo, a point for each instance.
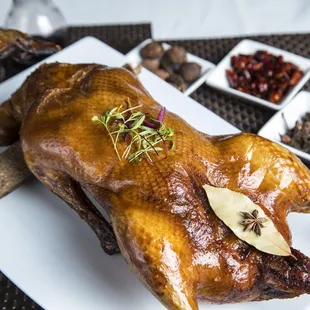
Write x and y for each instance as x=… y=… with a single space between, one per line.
x=217 y=78
x=293 y=111
x=134 y=57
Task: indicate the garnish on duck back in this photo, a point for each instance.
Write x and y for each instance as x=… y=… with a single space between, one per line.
x=144 y=134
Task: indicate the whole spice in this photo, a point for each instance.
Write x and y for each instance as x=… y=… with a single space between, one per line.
x=170 y=65
x=167 y=65
x=176 y=54
x=162 y=73
x=150 y=64
x=234 y=208
x=177 y=81
x=190 y=71
x=253 y=222
x=152 y=50
x=299 y=136
x=263 y=75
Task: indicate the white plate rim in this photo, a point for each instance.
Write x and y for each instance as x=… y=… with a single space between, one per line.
x=249 y=98
x=208 y=65
x=264 y=130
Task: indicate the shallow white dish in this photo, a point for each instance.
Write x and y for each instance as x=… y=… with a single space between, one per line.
x=293 y=111
x=134 y=57
x=46 y=249
x=217 y=78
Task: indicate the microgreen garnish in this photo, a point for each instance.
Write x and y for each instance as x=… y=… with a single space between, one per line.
x=144 y=134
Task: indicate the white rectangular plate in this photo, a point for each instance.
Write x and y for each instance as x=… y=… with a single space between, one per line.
x=134 y=57
x=217 y=78
x=292 y=112
x=46 y=249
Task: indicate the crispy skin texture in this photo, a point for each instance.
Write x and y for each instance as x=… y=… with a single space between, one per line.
x=159 y=212
x=22 y=48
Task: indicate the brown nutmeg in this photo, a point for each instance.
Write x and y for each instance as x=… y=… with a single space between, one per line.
x=150 y=64
x=177 y=81
x=190 y=71
x=176 y=54
x=166 y=64
x=162 y=73
x=152 y=50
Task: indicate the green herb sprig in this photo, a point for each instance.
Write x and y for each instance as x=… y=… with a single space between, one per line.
x=144 y=134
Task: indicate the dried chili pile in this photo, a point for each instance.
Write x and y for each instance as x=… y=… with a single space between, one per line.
x=263 y=75
x=299 y=136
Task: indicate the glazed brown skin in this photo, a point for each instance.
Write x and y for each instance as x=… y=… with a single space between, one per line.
x=22 y=48
x=159 y=211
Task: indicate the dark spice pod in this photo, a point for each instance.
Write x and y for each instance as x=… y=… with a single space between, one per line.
x=152 y=50
x=190 y=71
x=299 y=136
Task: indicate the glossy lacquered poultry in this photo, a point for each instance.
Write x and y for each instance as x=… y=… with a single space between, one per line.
x=160 y=218
x=22 y=48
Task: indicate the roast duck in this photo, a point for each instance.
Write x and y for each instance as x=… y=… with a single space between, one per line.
x=160 y=217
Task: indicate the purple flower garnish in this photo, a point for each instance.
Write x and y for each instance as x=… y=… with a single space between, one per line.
x=150 y=124
x=161 y=114
x=127 y=137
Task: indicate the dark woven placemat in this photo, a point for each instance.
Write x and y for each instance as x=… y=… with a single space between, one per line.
x=243 y=115
x=121 y=37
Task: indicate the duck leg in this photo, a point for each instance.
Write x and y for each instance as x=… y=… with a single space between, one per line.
x=157 y=251
x=71 y=192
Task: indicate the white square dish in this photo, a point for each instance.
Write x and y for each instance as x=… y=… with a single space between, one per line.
x=217 y=78
x=48 y=251
x=133 y=57
x=292 y=112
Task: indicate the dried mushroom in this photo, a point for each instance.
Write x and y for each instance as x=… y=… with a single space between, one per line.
x=152 y=50
x=190 y=71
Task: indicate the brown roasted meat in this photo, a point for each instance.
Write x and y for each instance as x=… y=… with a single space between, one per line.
x=160 y=218
x=22 y=48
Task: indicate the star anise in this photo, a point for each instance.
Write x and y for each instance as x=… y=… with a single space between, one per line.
x=253 y=222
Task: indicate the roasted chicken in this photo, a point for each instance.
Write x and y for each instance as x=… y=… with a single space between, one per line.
x=160 y=217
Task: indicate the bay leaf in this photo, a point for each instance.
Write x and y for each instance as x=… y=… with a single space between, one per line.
x=228 y=205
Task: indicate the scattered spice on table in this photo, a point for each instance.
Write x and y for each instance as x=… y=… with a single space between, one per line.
x=299 y=136
x=263 y=75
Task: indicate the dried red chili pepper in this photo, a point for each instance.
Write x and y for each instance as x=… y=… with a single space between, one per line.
x=263 y=75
